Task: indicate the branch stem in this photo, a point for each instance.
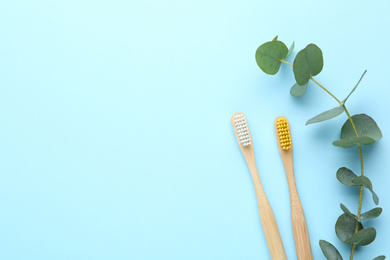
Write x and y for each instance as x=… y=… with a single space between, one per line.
x=361 y=160
x=286 y=62
x=327 y=91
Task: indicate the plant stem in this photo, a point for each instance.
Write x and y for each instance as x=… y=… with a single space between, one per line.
x=286 y=62
x=360 y=200
x=327 y=91
x=361 y=161
x=353 y=126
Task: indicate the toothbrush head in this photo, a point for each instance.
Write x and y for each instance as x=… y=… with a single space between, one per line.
x=283 y=133
x=241 y=128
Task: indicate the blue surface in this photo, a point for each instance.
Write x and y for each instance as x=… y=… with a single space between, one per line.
x=116 y=141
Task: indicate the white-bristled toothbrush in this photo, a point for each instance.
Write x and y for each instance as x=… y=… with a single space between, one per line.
x=267 y=218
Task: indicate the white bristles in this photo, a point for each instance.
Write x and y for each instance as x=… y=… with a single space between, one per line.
x=242 y=129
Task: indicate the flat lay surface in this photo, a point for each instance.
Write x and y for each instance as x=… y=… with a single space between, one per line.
x=116 y=140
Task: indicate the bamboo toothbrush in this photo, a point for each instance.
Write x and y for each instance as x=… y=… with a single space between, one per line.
x=267 y=218
x=298 y=221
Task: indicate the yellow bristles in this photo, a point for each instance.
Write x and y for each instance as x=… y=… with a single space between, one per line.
x=284 y=133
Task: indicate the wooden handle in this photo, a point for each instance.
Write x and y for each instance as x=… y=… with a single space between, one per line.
x=267 y=217
x=270 y=228
x=299 y=226
x=298 y=220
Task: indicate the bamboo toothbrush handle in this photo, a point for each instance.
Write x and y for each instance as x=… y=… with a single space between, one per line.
x=270 y=228
x=267 y=218
x=298 y=220
x=299 y=226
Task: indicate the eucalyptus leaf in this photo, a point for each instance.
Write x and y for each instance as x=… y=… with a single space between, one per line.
x=269 y=56
x=346 y=143
x=345 y=227
x=374 y=213
x=307 y=63
x=329 y=114
x=290 y=50
x=354 y=87
x=381 y=257
x=297 y=90
x=362 y=237
x=345 y=176
x=368 y=132
x=365 y=126
x=363 y=180
x=329 y=251
x=346 y=211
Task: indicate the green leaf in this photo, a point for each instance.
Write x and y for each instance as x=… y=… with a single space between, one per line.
x=363 y=180
x=367 y=130
x=329 y=251
x=374 y=213
x=307 y=63
x=346 y=211
x=298 y=91
x=381 y=257
x=346 y=143
x=365 y=126
x=329 y=114
x=275 y=39
x=269 y=56
x=355 y=87
x=362 y=237
x=345 y=227
x=290 y=50
x=345 y=176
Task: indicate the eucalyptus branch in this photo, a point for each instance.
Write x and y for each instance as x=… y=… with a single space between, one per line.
x=361 y=162
x=357 y=130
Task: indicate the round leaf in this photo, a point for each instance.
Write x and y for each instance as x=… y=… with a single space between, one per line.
x=329 y=251
x=345 y=176
x=269 y=56
x=365 y=181
x=381 y=257
x=367 y=130
x=362 y=237
x=307 y=63
x=345 y=227
x=365 y=126
x=298 y=91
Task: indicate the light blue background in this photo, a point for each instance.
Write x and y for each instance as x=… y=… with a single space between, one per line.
x=116 y=141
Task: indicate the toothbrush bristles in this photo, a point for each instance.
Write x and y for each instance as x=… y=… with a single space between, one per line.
x=242 y=129
x=284 y=133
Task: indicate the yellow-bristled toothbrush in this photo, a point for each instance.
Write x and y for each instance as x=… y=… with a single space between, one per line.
x=298 y=220
x=267 y=218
